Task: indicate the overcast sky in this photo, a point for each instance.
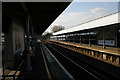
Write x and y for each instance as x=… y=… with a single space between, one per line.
x=80 y=12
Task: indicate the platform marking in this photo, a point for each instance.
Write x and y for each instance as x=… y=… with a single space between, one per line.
x=48 y=72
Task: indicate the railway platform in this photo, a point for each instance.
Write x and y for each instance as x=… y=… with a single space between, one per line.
x=38 y=68
x=94 y=59
x=110 y=55
x=44 y=67
x=38 y=71
x=110 y=50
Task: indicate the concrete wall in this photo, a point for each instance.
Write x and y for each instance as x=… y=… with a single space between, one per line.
x=14 y=42
x=109 y=33
x=0 y=34
x=110 y=37
x=18 y=38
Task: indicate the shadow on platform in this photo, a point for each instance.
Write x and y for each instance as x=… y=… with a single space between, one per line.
x=38 y=68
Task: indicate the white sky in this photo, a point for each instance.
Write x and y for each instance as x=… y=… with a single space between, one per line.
x=79 y=12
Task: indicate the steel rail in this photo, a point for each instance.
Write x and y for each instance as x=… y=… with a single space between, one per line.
x=74 y=62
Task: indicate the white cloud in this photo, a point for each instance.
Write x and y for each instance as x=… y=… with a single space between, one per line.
x=70 y=19
x=99 y=11
x=75 y=18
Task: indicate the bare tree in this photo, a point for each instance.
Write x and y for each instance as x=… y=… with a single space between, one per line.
x=57 y=28
x=46 y=36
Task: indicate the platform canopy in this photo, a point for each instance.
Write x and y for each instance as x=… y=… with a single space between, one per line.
x=100 y=22
x=42 y=14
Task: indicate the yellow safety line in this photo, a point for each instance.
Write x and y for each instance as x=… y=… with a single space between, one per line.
x=48 y=72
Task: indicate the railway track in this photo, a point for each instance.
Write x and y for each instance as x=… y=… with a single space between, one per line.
x=79 y=69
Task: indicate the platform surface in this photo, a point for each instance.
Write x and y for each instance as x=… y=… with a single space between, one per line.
x=38 y=68
x=110 y=50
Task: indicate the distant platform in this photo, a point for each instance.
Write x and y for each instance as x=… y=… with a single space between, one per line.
x=110 y=55
x=110 y=50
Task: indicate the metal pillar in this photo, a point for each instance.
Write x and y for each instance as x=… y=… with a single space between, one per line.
x=104 y=40
x=33 y=42
x=57 y=38
x=80 y=39
x=74 y=38
x=69 y=37
x=89 y=40
x=60 y=37
x=65 y=38
x=28 y=61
